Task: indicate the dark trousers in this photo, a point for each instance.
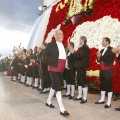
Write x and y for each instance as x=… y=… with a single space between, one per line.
x=29 y=72
x=56 y=78
x=72 y=75
x=65 y=73
x=69 y=75
x=106 y=80
x=35 y=71
x=22 y=70
x=46 y=80
x=81 y=77
x=14 y=71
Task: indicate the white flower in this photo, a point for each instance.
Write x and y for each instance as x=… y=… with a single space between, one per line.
x=51 y=34
x=95 y=31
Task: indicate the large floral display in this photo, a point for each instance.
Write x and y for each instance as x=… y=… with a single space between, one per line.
x=94 y=19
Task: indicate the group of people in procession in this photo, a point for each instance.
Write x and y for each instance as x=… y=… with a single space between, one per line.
x=47 y=67
x=28 y=66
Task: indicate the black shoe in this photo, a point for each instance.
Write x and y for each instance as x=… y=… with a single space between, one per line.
x=106 y=106
x=77 y=98
x=19 y=81
x=65 y=113
x=13 y=80
x=64 y=88
x=83 y=101
x=117 y=109
x=100 y=102
x=43 y=91
x=34 y=87
x=39 y=89
x=66 y=95
x=26 y=84
x=71 y=97
x=51 y=106
x=48 y=91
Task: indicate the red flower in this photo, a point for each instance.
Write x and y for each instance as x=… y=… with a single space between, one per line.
x=92 y=92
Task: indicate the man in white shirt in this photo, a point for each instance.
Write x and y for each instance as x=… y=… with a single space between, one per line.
x=106 y=59
x=55 y=57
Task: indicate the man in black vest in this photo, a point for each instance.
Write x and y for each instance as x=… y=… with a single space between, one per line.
x=45 y=77
x=81 y=63
x=70 y=73
x=106 y=59
x=55 y=57
x=14 y=67
x=29 y=71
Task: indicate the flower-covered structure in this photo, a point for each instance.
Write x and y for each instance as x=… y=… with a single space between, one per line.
x=94 y=19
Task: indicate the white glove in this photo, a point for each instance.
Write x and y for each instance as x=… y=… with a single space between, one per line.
x=11 y=68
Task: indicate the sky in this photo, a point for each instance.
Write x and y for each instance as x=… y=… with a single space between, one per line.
x=17 y=18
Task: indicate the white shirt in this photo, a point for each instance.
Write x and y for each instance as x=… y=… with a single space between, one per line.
x=104 y=51
x=62 y=53
x=117 y=54
x=66 y=66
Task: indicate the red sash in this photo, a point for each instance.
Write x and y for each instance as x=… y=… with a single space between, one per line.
x=103 y=67
x=60 y=67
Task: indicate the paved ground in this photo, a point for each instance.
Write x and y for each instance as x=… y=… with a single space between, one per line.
x=18 y=102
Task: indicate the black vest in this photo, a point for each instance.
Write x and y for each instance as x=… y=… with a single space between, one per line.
x=51 y=54
x=108 y=57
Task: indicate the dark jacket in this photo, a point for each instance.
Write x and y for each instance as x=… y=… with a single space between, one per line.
x=51 y=54
x=14 y=64
x=82 y=57
x=108 y=57
x=71 y=61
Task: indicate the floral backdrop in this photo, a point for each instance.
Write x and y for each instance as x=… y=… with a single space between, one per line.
x=103 y=21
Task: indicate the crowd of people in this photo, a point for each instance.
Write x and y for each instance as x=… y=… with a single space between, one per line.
x=4 y=65
x=52 y=65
